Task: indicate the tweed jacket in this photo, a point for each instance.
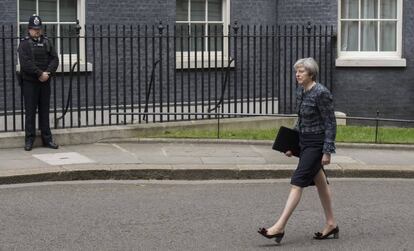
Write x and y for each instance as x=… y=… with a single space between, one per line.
x=316 y=114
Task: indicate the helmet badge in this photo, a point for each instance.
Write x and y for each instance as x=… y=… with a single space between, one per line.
x=36 y=21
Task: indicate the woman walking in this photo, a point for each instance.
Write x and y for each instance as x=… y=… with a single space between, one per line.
x=317 y=129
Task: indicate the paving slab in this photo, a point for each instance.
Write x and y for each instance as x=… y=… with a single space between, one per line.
x=105 y=153
x=30 y=171
x=64 y=158
x=204 y=167
x=339 y=159
x=186 y=159
x=266 y=167
x=26 y=163
x=380 y=156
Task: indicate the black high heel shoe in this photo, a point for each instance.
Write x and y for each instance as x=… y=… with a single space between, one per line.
x=334 y=232
x=278 y=237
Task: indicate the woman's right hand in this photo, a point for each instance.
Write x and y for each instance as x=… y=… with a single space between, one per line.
x=288 y=153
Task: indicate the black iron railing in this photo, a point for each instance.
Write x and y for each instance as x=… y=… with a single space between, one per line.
x=178 y=72
x=377 y=120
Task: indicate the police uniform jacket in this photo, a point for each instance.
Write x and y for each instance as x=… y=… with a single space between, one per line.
x=36 y=57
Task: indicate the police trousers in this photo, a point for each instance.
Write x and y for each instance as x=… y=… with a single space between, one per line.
x=37 y=97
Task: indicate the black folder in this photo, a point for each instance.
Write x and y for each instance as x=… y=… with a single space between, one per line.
x=287 y=140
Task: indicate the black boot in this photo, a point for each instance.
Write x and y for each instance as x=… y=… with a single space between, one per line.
x=28 y=145
x=51 y=144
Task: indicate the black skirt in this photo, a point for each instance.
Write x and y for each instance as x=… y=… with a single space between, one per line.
x=311 y=146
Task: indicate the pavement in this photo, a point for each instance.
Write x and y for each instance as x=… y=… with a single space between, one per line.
x=192 y=159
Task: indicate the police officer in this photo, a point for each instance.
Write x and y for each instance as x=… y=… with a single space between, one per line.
x=38 y=60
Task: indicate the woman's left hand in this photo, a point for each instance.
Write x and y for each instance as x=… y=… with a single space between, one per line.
x=326 y=159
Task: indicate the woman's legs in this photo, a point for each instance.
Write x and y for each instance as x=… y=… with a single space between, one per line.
x=291 y=203
x=326 y=200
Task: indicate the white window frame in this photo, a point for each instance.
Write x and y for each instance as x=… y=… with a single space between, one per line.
x=371 y=59
x=64 y=59
x=194 y=58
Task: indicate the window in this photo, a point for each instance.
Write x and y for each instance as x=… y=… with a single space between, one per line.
x=370 y=30
x=59 y=21
x=205 y=22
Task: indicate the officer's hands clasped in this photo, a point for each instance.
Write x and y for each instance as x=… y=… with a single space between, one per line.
x=44 y=77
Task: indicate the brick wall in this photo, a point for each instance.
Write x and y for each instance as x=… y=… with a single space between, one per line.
x=8 y=13
x=357 y=91
x=303 y=11
x=108 y=78
x=361 y=91
x=258 y=12
x=254 y=12
x=390 y=90
x=130 y=12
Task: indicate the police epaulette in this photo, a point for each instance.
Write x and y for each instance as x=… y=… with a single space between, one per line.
x=25 y=38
